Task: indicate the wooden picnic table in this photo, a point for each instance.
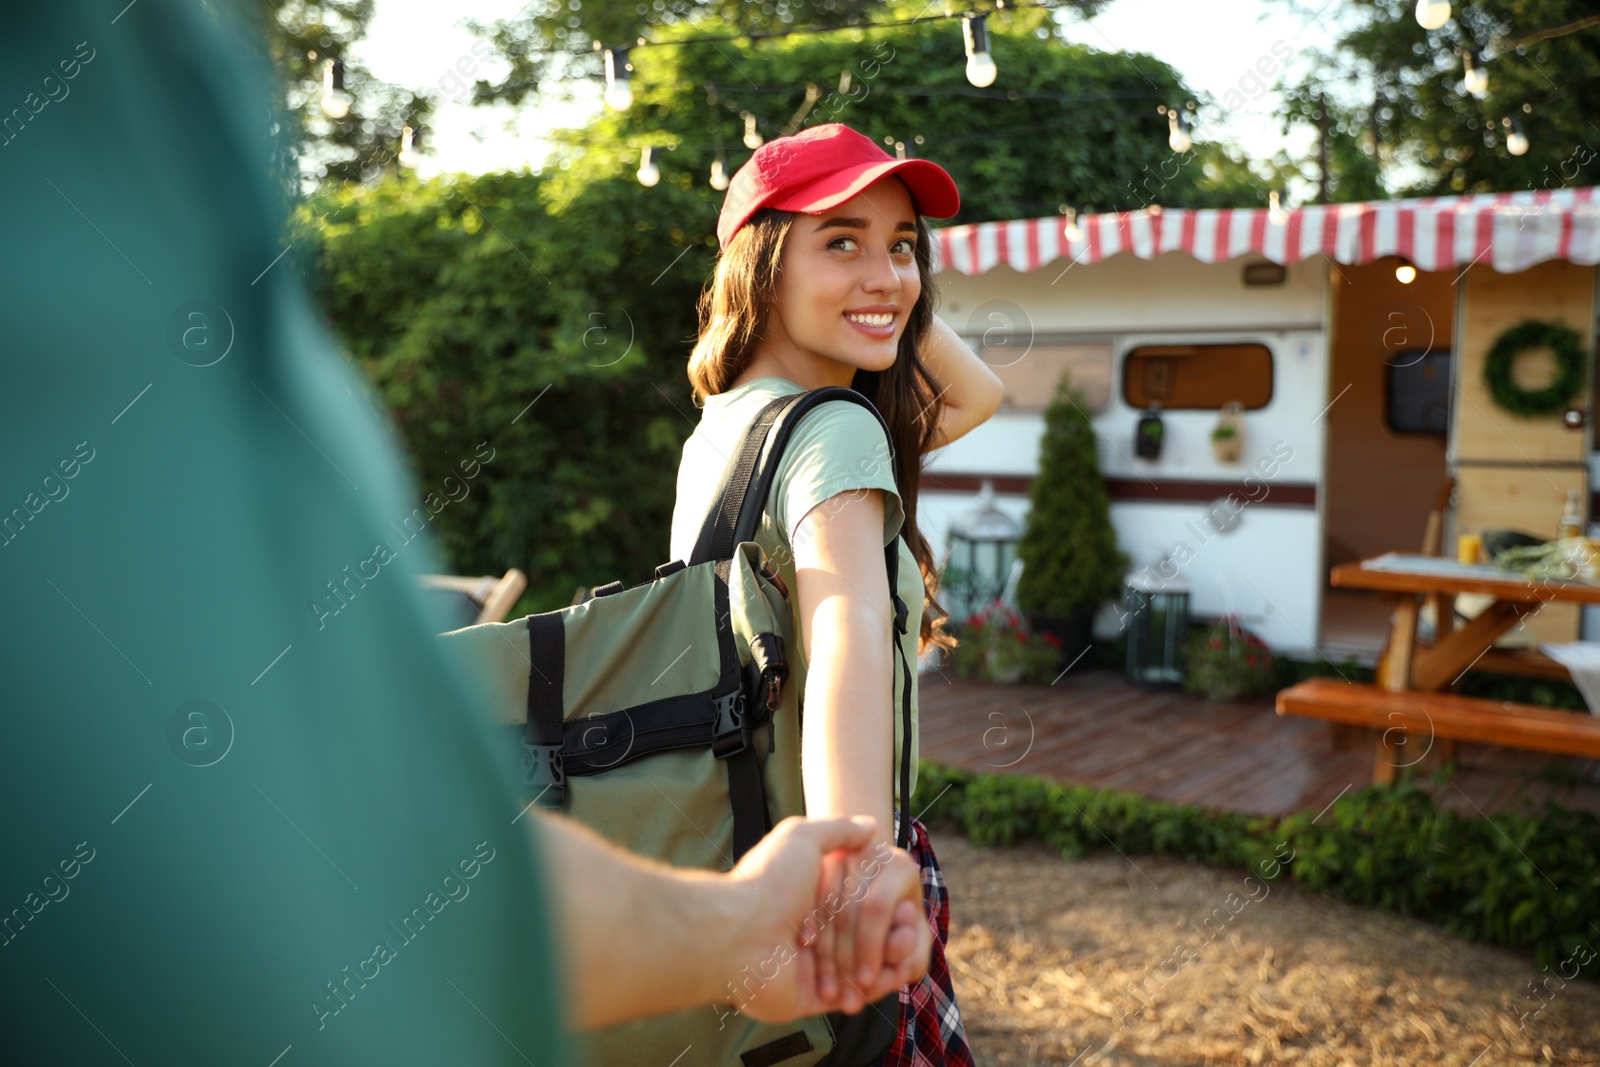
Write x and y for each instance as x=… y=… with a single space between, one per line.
x=1409 y=702
x=1405 y=578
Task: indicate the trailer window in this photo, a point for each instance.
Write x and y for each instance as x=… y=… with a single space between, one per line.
x=1198 y=376
x=1416 y=392
x=1030 y=372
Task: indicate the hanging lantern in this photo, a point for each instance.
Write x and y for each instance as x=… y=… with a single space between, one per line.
x=1147 y=438
x=1158 y=623
x=983 y=544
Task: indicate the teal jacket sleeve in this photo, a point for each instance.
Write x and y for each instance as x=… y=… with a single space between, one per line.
x=254 y=815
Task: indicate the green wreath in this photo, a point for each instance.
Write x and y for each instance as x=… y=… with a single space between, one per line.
x=1563 y=343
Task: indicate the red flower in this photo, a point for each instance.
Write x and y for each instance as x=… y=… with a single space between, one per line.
x=1022 y=638
x=1250 y=659
x=1051 y=639
x=1216 y=642
x=975 y=620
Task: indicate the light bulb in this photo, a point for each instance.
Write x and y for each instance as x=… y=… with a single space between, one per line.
x=648 y=173
x=1517 y=143
x=981 y=70
x=335 y=101
x=1071 y=230
x=1431 y=14
x=410 y=148
x=752 y=136
x=719 y=175
x=619 y=96
x=1476 y=79
x=1405 y=273
x=619 y=93
x=1275 y=210
x=336 y=105
x=1178 y=138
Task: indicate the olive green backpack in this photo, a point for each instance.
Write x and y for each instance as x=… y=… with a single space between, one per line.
x=657 y=715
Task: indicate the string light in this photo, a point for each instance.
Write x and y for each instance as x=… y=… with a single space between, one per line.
x=335 y=101
x=719 y=174
x=1475 y=79
x=752 y=136
x=1405 y=273
x=648 y=174
x=1516 y=140
x=1275 y=210
x=1431 y=14
x=1178 y=137
x=619 y=91
x=981 y=70
x=410 y=147
x=1070 y=227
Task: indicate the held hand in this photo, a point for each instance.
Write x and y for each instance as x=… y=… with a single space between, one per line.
x=869 y=910
x=775 y=976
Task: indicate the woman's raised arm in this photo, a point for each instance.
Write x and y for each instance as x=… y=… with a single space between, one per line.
x=970 y=389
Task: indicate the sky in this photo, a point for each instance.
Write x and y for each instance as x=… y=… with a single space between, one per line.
x=416 y=43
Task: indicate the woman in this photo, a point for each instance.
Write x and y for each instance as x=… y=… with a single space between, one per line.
x=824 y=279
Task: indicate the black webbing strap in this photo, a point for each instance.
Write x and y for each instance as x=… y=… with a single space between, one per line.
x=547 y=652
x=716 y=532
x=731 y=733
x=891 y=556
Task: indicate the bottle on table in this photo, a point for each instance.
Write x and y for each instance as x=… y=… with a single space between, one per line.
x=1571 y=524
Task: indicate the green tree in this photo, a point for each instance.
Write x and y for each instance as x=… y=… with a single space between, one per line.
x=1070 y=560
x=483 y=314
x=1397 y=90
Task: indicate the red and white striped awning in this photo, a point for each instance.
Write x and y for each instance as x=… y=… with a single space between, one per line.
x=1511 y=231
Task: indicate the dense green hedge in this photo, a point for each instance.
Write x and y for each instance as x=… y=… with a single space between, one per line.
x=1526 y=879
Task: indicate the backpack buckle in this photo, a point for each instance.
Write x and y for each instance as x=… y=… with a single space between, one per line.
x=544 y=771
x=731 y=733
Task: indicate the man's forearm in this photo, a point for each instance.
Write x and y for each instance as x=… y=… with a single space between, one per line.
x=693 y=919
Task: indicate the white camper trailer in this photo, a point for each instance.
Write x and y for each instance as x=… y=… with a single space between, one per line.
x=1362 y=392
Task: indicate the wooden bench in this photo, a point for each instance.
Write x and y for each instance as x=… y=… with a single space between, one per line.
x=1411 y=716
x=493 y=596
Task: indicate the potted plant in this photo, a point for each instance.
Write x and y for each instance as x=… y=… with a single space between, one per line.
x=1227 y=436
x=1070 y=560
x=1228 y=662
x=997 y=645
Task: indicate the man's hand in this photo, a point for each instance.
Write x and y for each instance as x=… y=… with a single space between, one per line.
x=794 y=899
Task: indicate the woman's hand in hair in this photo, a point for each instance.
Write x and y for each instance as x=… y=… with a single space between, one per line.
x=969 y=390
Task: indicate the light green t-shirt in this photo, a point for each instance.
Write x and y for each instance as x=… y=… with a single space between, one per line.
x=838 y=448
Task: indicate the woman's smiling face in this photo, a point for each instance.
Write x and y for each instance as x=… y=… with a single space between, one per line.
x=848 y=281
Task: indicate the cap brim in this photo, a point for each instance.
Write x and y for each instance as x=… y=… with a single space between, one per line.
x=933 y=191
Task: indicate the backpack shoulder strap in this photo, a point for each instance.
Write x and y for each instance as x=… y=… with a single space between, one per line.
x=741 y=495
x=741 y=498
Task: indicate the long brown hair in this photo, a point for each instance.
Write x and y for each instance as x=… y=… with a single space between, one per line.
x=734 y=308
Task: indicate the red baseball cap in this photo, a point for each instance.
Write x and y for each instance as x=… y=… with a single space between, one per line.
x=821 y=168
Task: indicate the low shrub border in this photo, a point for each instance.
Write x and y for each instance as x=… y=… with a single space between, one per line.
x=1530 y=880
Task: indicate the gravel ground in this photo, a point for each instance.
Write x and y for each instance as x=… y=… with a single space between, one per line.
x=1152 y=961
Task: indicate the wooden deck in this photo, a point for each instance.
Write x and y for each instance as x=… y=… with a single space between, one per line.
x=1097 y=728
